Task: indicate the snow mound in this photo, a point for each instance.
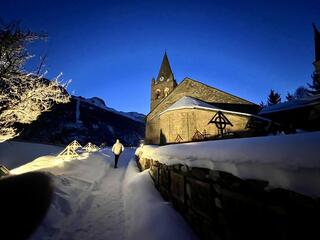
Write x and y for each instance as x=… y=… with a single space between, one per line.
x=145 y=209
x=14 y=154
x=287 y=161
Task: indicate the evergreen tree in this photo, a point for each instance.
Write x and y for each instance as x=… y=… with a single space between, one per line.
x=273 y=98
x=301 y=92
x=262 y=105
x=289 y=97
x=315 y=86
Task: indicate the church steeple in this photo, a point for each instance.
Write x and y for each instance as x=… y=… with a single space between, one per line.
x=165 y=72
x=164 y=84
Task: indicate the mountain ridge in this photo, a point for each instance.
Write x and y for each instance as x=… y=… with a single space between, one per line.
x=85 y=120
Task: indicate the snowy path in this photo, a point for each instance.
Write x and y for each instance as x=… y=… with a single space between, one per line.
x=88 y=202
x=92 y=200
x=102 y=214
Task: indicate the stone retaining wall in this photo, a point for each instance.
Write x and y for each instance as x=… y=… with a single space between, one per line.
x=220 y=205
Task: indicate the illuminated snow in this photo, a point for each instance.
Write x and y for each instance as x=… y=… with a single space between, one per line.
x=92 y=200
x=68 y=153
x=90 y=147
x=286 y=161
x=75 y=145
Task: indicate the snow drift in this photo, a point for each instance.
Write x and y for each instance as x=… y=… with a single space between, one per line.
x=92 y=200
x=286 y=161
x=14 y=154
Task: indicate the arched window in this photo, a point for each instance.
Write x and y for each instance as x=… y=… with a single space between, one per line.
x=166 y=91
x=158 y=94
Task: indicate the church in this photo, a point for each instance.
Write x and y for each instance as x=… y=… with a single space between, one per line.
x=193 y=111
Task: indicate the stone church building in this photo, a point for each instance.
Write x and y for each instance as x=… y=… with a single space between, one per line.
x=192 y=111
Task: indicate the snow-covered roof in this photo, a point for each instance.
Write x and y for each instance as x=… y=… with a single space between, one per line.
x=193 y=103
x=190 y=102
x=293 y=104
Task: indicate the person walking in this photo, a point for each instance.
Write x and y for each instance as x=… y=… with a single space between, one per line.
x=117 y=149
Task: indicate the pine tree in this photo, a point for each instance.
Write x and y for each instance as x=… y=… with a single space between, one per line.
x=262 y=105
x=289 y=97
x=273 y=98
x=315 y=86
x=301 y=92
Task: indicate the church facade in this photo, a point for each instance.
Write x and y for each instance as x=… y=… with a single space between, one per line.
x=193 y=111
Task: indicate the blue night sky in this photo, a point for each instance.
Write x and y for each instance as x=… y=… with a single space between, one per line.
x=112 y=49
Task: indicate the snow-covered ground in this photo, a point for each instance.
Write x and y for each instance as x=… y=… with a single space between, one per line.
x=14 y=154
x=92 y=200
x=286 y=161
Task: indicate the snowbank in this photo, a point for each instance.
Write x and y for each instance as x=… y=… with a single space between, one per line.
x=14 y=154
x=147 y=215
x=74 y=181
x=92 y=200
x=287 y=161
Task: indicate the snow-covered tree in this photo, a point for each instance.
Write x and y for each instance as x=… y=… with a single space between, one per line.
x=273 y=98
x=23 y=95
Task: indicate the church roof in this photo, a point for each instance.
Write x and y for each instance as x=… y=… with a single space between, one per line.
x=193 y=103
x=165 y=69
x=190 y=102
x=162 y=106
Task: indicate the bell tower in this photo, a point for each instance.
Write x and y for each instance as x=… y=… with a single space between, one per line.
x=316 y=62
x=164 y=84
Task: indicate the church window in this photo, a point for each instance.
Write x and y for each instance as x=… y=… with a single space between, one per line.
x=166 y=91
x=158 y=93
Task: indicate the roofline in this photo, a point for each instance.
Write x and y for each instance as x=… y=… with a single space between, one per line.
x=187 y=78
x=288 y=109
x=219 y=90
x=215 y=109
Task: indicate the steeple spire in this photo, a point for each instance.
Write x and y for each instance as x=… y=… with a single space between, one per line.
x=165 y=72
x=316 y=43
x=164 y=84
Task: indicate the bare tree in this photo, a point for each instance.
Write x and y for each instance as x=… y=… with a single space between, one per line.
x=23 y=95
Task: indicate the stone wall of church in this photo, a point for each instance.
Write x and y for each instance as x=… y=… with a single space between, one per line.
x=186 y=125
x=152 y=133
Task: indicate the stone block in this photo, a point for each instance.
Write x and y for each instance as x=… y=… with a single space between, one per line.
x=154 y=172
x=200 y=197
x=200 y=173
x=164 y=177
x=177 y=188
